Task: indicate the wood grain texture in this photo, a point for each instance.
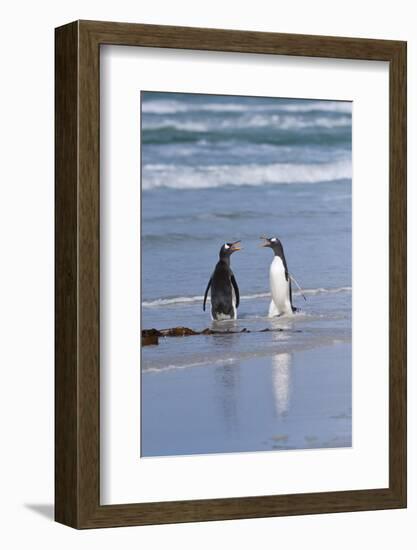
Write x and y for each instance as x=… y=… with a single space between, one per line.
x=78 y=285
x=398 y=273
x=66 y=236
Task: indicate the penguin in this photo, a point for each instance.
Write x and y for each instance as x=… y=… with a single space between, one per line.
x=224 y=289
x=280 y=280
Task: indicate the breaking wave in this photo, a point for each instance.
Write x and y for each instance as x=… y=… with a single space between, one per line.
x=202 y=177
x=282 y=122
x=161 y=107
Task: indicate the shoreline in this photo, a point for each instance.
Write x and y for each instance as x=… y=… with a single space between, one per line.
x=215 y=360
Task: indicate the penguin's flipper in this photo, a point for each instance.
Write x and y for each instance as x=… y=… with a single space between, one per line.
x=206 y=292
x=234 y=283
x=290 y=285
x=293 y=308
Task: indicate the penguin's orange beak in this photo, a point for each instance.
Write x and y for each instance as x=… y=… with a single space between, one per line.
x=236 y=246
x=265 y=243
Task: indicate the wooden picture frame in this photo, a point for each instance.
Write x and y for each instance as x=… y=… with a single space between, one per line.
x=77 y=374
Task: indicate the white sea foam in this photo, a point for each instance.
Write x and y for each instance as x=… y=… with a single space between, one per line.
x=331 y=106
x=161 y=107
x=186 y=125
x=203 y=177
x=218 y=362
x=276 y=121
x=194 y=299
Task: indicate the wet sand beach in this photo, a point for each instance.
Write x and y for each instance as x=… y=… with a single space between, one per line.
x=287 y=400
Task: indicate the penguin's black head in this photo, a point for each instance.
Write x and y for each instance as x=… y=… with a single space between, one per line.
x=228 y=248
x=271 y=242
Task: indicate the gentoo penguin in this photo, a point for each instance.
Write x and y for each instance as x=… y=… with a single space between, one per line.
x=279 y=279
x=224 y=289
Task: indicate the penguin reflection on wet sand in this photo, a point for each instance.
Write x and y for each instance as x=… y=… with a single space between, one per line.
x=279 y=279
x=224 y=289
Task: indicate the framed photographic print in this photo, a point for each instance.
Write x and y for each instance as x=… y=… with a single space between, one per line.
x=230 y=274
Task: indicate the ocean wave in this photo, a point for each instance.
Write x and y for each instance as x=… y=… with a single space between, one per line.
x=151 y=239
x=328 y=106
x=204 y=216
x=185 y=126
x=214 y=362
x=262 y=135
x=186 y=177
x=165 y=107
x=161 y=302
x=248 y=121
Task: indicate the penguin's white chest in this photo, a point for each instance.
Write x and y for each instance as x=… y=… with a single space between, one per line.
x=280 y=289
